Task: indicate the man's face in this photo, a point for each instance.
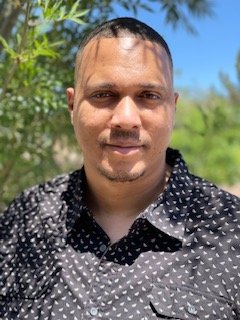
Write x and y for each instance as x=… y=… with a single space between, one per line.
x=123 y=107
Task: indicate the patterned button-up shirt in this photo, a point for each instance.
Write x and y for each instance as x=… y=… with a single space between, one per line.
x=179 y=260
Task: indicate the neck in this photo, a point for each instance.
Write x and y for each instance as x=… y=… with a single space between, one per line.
x=125 y=198
x=115 y=205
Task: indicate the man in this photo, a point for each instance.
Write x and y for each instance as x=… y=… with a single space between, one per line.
x=132 y=235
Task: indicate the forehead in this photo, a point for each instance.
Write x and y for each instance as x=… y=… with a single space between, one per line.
x=122 y=52
x=99 y=47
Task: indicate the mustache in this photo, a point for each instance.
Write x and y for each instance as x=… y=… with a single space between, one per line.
x=119 y=135
x=125 y=134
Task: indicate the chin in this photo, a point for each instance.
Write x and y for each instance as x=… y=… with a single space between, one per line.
x=121 y=175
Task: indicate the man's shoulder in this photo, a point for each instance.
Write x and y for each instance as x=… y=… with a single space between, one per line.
x=194 y=187
x=56 y=184
x=43 y=193
x=211 y=196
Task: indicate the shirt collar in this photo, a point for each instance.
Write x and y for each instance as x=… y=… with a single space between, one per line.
x=169 y=212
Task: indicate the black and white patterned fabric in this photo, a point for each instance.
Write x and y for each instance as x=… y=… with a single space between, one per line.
x=180 y=259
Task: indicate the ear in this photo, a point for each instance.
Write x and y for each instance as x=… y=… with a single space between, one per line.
x=70 y=101
x=176 y=96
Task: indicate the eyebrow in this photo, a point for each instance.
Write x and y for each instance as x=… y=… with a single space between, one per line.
x=103 y=85
x=151 y=85
x=110 y=85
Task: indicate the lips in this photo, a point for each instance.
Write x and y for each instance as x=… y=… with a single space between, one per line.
x=124 y=148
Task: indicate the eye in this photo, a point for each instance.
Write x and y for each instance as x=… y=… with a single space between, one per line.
x=150 y=95
x=101 y=95
x=102 y=99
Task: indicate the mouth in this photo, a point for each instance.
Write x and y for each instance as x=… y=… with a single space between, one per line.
x=124 y=149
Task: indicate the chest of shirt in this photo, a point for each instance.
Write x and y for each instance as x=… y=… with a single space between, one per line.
x=146 y=275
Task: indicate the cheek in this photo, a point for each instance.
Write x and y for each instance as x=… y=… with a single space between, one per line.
x=161 y=125
x=168 y=122
x=160 y=134
x=88 y=124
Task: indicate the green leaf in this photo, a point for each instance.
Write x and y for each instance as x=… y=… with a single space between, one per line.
x=7 y=48
x=76 y=20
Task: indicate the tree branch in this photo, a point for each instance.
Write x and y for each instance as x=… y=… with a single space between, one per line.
x=16 y=62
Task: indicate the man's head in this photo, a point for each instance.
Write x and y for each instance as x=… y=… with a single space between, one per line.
x=123 y=104
x=119 y=28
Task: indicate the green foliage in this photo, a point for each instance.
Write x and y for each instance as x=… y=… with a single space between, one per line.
x=57 y=11
x=32 y=100
x=207 y=132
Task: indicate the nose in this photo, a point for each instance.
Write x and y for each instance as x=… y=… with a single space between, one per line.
x=126 y=115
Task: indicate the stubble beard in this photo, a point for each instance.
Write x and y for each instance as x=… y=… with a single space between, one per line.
x=120 y=176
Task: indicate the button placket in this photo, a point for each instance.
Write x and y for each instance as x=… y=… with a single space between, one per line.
x=101 y=279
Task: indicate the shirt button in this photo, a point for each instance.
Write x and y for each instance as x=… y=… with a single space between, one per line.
x=103 y=247
x=94 y=311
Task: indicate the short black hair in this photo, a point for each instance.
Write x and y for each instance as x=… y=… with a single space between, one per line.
x=120 y=27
